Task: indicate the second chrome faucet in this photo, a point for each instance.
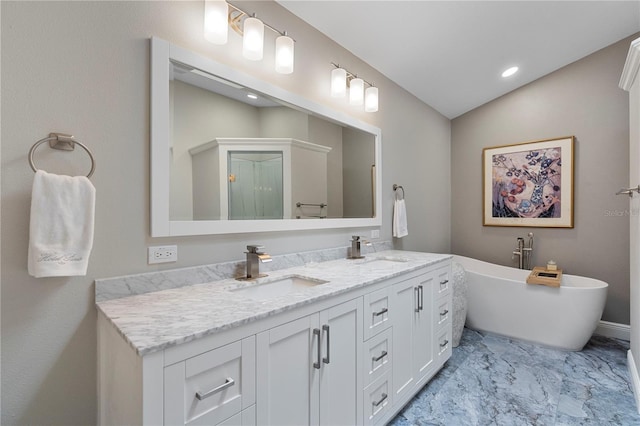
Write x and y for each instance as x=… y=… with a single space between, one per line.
x=523 y=252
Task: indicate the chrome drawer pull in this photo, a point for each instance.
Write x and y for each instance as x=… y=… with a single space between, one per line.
x=326 y=328
x=378 y=358
x=446 y=311
x=316 y=332
x=443 y=282
x=384 y=396
x=380 y=312
x=444 y=344
x=227 y=384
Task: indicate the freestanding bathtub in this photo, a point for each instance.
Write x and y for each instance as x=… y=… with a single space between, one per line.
x=501 y=302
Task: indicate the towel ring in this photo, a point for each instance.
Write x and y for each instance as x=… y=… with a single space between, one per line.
x=63 y=142
x=395 y=188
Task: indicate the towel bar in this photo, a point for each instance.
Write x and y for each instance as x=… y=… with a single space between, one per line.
x=396 y=188
x=62 y=142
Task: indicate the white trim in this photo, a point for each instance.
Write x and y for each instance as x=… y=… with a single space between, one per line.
x=613 y=329
x=635 y=379
x=631 y=66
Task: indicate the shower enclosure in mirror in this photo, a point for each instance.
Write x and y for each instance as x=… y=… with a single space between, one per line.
x=232 y=153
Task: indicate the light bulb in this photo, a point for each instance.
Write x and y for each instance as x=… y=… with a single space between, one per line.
x=371 y=99
x=216 y=27
x=253 y=39
x=338 y=83
x=356 y=91
x=510 y=71
x=284 y=54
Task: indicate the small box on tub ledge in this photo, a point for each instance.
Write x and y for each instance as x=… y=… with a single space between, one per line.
x=543 y=276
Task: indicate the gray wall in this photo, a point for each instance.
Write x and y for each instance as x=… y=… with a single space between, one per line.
x=581 y=99
x=83 y=68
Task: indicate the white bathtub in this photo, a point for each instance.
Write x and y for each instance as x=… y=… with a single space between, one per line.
x=501 y=302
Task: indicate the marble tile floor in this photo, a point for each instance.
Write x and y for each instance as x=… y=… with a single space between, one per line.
x=493 y=380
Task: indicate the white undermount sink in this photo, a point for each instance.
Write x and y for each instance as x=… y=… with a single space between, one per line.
x=277 y=287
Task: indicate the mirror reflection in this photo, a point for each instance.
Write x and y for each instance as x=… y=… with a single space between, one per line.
x=237 y=154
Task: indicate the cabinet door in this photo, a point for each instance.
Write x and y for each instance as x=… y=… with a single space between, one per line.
x=404 y=304
x=287 y=380
x=423 y=328
x=340 y=375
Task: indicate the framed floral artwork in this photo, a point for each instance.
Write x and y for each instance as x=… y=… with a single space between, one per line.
x=529 y=184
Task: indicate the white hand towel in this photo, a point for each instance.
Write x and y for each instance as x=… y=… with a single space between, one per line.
x=61 y=228
x=400 y=228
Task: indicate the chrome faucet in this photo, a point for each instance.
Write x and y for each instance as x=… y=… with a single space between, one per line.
x=356 y=242
x=254 y=258
x=524 y=252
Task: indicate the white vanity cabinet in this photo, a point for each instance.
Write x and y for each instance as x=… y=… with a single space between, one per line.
x=354 y=358
x=308 y=369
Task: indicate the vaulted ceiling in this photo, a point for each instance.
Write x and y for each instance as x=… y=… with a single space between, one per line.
x=450 y=54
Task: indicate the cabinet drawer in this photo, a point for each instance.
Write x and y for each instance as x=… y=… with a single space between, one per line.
x=443 y=346
x=443 y=312
x=211 y=387
x=377 y=399
x=377 y=357
x=443 y=281
x=376 y=312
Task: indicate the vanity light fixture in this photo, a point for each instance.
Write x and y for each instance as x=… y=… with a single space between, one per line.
x=510 y=71
x=356 y=91
x=219 y=15
x=216 y=28
x=371 y=99
x=341 y=78
x=338 y=82
x=253 y=39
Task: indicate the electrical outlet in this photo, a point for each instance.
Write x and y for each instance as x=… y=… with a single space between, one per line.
x=375 y=233
x=163 y=254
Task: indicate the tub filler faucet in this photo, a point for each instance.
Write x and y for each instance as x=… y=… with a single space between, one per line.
x=523 y=252
x=254 y=258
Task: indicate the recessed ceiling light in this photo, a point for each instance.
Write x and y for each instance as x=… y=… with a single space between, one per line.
x=252 y=96
x=510 y=71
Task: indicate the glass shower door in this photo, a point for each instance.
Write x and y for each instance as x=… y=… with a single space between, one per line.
x=255 y=185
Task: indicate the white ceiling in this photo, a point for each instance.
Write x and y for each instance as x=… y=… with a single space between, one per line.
x=450 y=54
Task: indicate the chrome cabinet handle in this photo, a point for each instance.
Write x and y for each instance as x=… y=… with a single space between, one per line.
x=446 y=311
x=380 y=312
x=444 y=344
x=384 y=396
x=326 y=328
x=316 y=332
x=378 y=358
x=421 y=302
x=443 y=283
x=227 y=384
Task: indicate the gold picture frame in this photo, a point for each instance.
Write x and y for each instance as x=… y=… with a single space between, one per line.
x=529 y=184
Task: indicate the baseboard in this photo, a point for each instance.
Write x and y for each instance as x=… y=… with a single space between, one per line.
x=635 y=379
x=613 y=329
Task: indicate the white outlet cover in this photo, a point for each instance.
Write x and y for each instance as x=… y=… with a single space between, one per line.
x=163 y=254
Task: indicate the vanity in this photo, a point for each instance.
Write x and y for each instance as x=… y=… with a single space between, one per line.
x=322 y=339
x=335 y=342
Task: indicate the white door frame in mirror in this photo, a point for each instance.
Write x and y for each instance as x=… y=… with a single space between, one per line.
x=162 y=52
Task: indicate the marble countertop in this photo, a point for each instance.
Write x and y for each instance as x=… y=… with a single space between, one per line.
x=155 y=321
